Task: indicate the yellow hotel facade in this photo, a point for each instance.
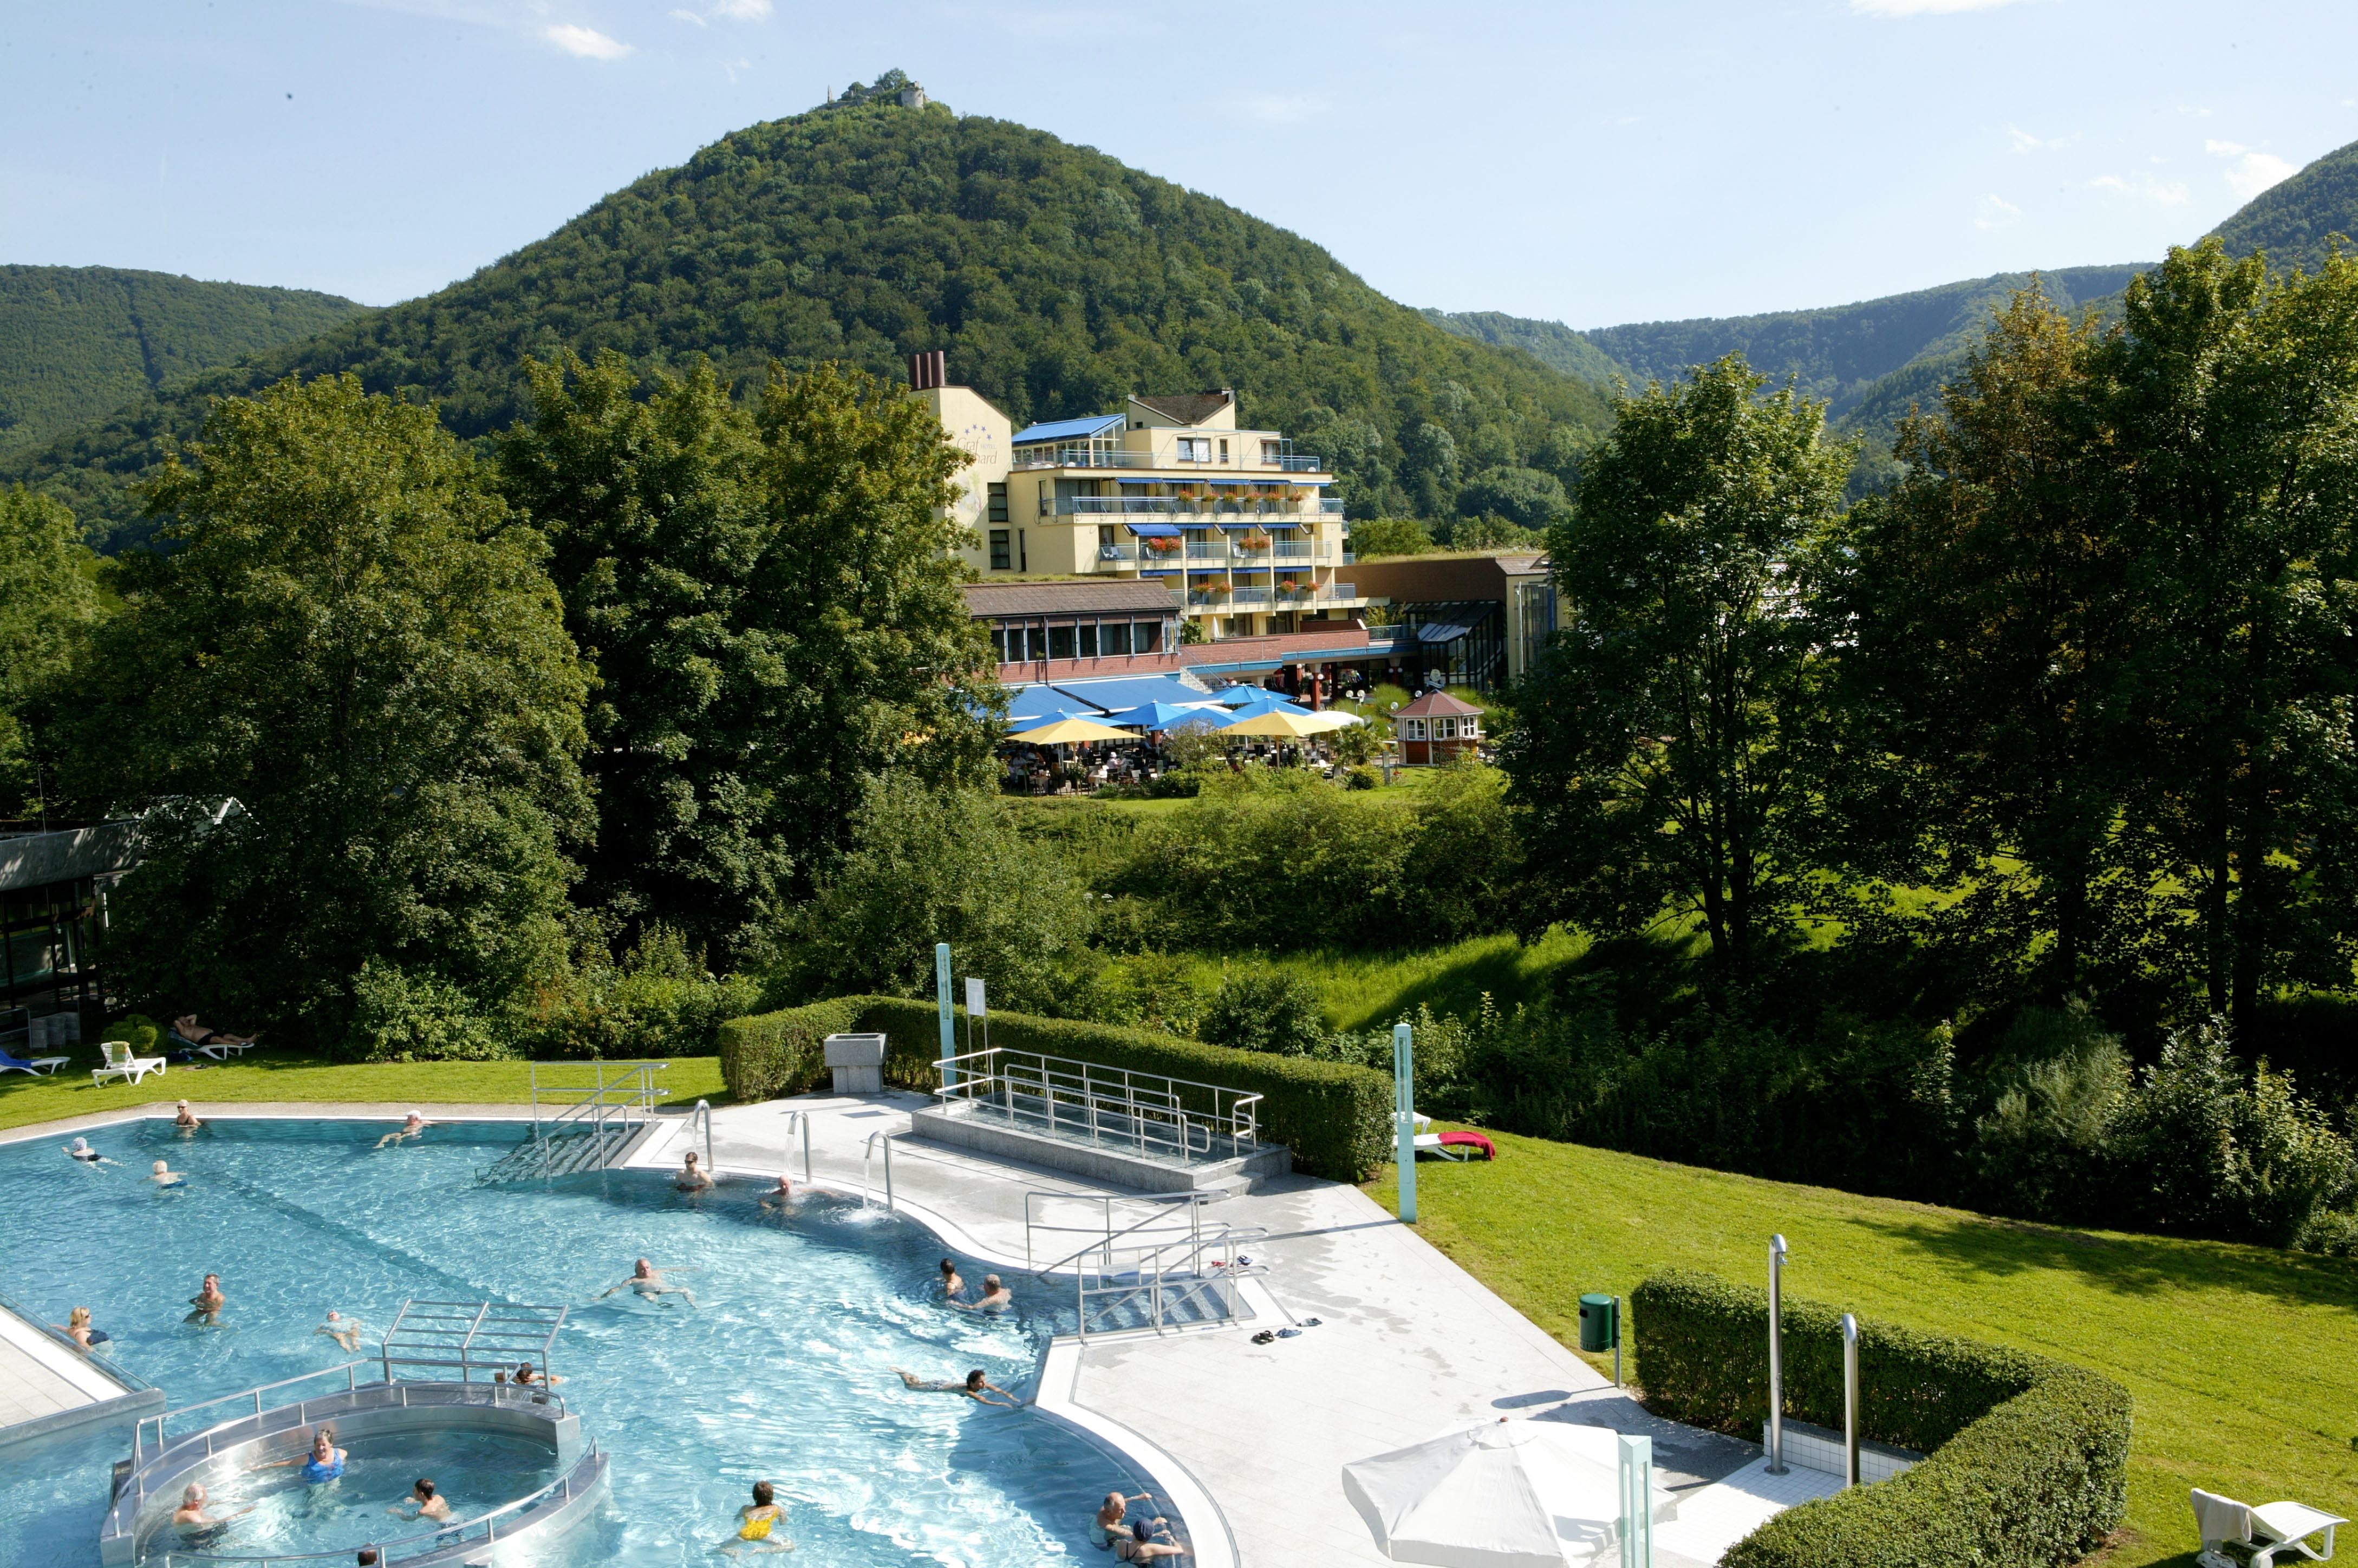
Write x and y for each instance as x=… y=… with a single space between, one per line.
x=1236 y=524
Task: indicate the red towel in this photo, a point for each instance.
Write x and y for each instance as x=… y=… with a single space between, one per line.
x=1472 y=1141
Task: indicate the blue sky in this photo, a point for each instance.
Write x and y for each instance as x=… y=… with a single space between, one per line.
x=1590 y=163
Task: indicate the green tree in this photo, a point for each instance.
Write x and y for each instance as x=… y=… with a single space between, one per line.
x=1666 y=751
x=46 y=604
x=347 y=696
x=1389 y=536
x=1527 y=498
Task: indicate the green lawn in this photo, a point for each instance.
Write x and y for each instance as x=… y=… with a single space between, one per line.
x=292 y=1076
x=2242 y=1361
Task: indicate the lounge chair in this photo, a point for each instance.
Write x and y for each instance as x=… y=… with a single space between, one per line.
x=122 y=1064
x=2235 y=1535
x=193 y=1036
x=33 y=1069
x=1455 y=1145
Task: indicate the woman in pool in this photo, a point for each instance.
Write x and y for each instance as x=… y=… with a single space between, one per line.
x=527 y=1376
x=1141 y=1544
x=412 y=1126
x=81 y=1154
x=186 y=1121
x=325 y=1463
x=208 y=1301
x=79 y=1330
x=344 y=1331
x=692 y=1177
x=756 y=1521
x=424 y=1503
x=977 y=1387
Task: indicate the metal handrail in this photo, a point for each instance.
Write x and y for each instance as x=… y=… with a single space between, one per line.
x=703 y=1112
x=1193 y=1201
x=1138 y=1098
x=139 y=1429
x=867 y=1151
x=511 y=1331
x=442 y=1531
x=801 y=1118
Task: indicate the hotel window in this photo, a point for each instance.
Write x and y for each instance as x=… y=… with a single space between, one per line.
x=1060 y=641
x=1224 y=449
x=1145 y=636
x=1106 y=540
x=1269 y=453
x=1195 y=448
x=1114 y=639
x=999 y=556
x=1089 y=641
x=998 y=504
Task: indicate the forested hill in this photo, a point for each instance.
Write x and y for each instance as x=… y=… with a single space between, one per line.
x=1057 y=280
x=2296 y=222
x=1551 y=343
x=78 y=342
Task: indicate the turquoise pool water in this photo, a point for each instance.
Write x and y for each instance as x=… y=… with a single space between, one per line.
x=783 y=1371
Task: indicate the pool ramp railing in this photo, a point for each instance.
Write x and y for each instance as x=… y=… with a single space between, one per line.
x=486 y=1339
x=1167 y=1269
x=1143 y=1130
x=237 y=1431
x=586 y=1116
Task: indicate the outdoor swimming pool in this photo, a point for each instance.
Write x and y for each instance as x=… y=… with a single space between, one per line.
x=783 y=1371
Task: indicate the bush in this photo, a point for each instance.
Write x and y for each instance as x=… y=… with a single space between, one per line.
x=659 y=1002
x=1373 y=536
x=2027 y=1458
x=1261 y=1008
x=407 y=1015
x=1335 y=1118
x=145 y=1035
x=1362 y=776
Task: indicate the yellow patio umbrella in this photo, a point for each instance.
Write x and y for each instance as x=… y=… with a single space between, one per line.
x=1063 y=731
x=1332 y=719
x=1278 y=722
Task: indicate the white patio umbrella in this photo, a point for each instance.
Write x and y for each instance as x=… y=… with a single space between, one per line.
x=1519 y=1494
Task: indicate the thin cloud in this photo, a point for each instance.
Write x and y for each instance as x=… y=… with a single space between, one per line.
x=2251 y=172
x=584 y=43
x=741 y=10
x=1924 y=8
x=688 y=16
x=1997 y=213
x=2162 y=192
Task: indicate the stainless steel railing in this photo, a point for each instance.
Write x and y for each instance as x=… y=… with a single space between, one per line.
x=1148 y=1112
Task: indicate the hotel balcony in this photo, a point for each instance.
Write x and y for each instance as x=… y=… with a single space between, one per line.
x=1082 y=456
x=1171 y=506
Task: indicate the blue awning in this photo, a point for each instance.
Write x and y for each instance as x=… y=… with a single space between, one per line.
x=1238 y=527
x=1138 y=481
x=1150 y=571
x=1065 y=429
x=1129 y=691
x=1153 y=530
x=1442 y=634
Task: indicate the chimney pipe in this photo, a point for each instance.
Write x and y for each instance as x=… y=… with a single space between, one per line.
x=927 y=371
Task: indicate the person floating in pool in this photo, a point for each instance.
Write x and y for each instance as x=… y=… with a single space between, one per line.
x=81 y=1154
x=209 y=1302
x=692 y=1177
x=424 y=1502
x=186 y=1121
x=977 y=1387
x=995 y=1297
x=953 y=1288
x=526 y=1376
x=79 y=1330
x=323 y=1464
x=756 y=1523
x=412 y=1126
x=163 y=1176
x=780 y=1197
x=344 y=1331
x=648 y=1282
x=197 y=1524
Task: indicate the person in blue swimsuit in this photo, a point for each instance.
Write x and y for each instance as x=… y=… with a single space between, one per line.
x=325 y=1463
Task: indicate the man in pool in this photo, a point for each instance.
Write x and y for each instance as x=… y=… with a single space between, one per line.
x=756 y=1521
x=344 y=1331
x=952 y=1286
x=692 y=1177
x=424 y=1503
x=648 y=1282
x=780 y=1197
x=165 y=1176
x=195 y=1522
x=208 y=1301
x=977 y=1387
x=995 y=1297
x=186 y=1121
x=412 y=1126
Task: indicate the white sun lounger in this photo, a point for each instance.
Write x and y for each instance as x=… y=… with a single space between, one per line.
x=122 y=1064
x=1431 y=1143
x=2236 y=1533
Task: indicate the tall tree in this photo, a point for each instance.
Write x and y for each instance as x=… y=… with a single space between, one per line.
x=47 y=603
x=1663 y=752
x=347 y=697
x=2233 y=409
x=1982 y=616
x=774 y=615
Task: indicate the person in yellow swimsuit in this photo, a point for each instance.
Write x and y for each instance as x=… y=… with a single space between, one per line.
x=757 y=1524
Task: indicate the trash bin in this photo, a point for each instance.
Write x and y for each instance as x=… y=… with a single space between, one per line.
x=1600 y=1328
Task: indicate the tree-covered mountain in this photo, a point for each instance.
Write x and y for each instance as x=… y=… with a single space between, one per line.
x=78 y=342
x=1057 y=280
x=2296 y=222
x=1551 y=343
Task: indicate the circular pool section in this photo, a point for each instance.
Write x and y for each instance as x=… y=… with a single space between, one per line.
x=783 y=1370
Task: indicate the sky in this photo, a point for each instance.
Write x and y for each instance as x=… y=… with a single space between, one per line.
x=1587 y=163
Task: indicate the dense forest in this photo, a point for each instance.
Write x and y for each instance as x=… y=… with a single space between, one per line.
x=1056 y=279
x=78 y=342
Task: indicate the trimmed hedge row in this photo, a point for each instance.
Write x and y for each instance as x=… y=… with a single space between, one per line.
x=2028 y=1458
x=1335 y=1118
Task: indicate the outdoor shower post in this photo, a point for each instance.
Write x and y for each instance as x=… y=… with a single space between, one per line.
x=1777 y=1252
x=942 y=993
x=1404 y=1117
x=1850 y=1400
x=1637 y=1521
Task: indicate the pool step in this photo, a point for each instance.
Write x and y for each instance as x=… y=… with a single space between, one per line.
x=568 y=1154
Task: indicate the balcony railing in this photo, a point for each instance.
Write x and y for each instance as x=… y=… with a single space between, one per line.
x=1182 y=506
x=1330 y=508
x=1249 y=598
x=1117 y=553
x=1212 y=551
x=1083 y=456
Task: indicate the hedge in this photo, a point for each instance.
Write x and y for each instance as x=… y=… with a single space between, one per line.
x=2027 y=1462
x=1335 y=1118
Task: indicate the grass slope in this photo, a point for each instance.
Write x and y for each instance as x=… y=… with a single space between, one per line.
x=78 y=342
x=2242 y=1361
x=1056 y=279
x=293 y=1076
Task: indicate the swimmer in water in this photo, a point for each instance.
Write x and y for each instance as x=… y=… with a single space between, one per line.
x=756 y=1521
x=995 y=1297
x=344 y=1331
x=81 y=1152
x=692 y=1177
x=79 y=1330
x=323 y=1464
x=165 y=1176
x=648 y=1282
x=192 y=1519
x=424 y=1502
x=952 y=1286
x=977 y=1387
x=208 y=1301
x=186 y=1121
x=780 y=1197
x=526 y=1376
x=412 y=1126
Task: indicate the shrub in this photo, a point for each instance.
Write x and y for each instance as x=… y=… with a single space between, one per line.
x=143 y=1034
x=1262 y=1008
x=659 y=1002
x=777 y=1054
x=2028 y=1458
x=1362 y=776
x=409 y=1015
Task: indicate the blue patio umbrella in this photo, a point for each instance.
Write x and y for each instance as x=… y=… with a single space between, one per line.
x=1160 y=716
x=1247 y=701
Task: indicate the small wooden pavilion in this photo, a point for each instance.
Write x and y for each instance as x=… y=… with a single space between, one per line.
x=1435 y=728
